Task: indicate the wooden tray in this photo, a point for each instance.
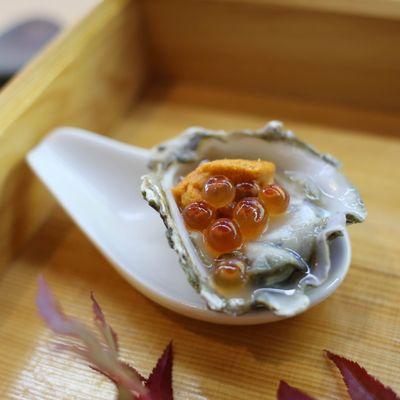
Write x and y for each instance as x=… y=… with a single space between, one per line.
x=142 y=72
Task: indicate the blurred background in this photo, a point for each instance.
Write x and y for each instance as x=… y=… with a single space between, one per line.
x=27 y=25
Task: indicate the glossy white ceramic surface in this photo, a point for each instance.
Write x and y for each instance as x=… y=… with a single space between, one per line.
x=97 y=181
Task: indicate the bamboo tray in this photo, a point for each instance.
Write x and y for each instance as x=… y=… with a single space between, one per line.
x=142 y=72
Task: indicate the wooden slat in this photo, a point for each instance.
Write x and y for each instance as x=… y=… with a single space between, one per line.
x=307 y=53
x=389 y=9
x=87 y=78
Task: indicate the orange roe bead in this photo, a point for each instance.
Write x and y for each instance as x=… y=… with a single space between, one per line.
x=218 y=191
x=222 y=236
x=226 y=211
x=198 y=215
x=229 y=272
x=251 y=217
x=275 y=199
x=246 y=189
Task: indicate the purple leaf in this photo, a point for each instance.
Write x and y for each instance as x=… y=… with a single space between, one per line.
x=111 y=338
x=53 y=315
x=108 y=333
x=287 y=392
x=132 y=370
x=103 y=358
x=160 y=380
x=360 y=384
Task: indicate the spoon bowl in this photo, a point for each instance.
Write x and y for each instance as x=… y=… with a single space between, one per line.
x=97 y=182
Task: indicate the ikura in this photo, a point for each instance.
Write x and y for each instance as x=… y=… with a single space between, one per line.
x=229 y=272
x=222 y=236
x=218 y=191
x=246 y=189
x=275 y=199
x=251 y=217
x=229 y=215
x=226 y=211
x=198 y=215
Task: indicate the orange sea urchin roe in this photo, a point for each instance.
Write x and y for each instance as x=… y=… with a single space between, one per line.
x=251 y=217
x=190 y=187
x=218 y=191
x=246 y=189
x=275 y=199
x=229 y=272
x=222 y=236
x=198 y=215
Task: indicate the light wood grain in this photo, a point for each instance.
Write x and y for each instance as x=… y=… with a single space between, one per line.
x=361 y=320
x=94 y=78
x=376 y=8
x=278 y=50
x=87 y=78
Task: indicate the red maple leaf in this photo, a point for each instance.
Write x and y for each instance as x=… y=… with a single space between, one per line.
x=360 y=384
x=287 y=392
x=159 y=382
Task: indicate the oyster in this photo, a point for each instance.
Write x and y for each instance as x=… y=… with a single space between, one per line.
x=292 y=255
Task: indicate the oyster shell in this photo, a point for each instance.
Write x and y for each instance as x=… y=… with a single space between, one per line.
x=293 y=254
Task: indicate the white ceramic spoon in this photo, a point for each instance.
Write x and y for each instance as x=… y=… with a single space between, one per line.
x=97 y=181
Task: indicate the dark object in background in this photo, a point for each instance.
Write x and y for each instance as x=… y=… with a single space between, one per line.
x=20 y=43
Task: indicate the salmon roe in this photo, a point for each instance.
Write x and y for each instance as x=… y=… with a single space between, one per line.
x=226 y=211
x=229 y=272
x=246 y=189
x=222 y=236
x=251 y=217
x=198 y=215
x=218 y=191
x=229 y=215
x=275 y=199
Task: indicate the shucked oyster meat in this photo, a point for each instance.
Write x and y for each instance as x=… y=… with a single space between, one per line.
x=251 y=214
